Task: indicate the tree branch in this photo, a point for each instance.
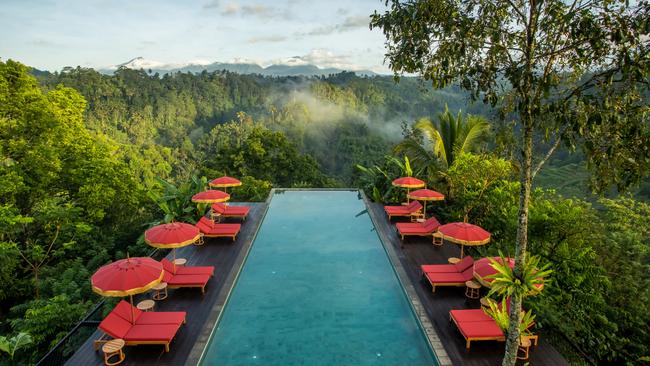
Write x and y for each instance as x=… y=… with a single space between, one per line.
x=548 y=155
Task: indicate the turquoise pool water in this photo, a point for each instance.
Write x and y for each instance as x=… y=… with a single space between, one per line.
x=317 y=288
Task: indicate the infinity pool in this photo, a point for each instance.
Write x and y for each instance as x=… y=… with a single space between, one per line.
x=317 y=288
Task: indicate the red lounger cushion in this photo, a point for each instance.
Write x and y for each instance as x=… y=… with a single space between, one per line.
x=480 y=329
x=159 y=332
x=115 y=326
x=427 y=227
x=412 y=207
x=161 y=317
x=451 y=277
x=207 y=227
x=187 y=280
x=464 y=264
x=470 y=315
x=123 y=309
x=169 y=267
x=222 y=209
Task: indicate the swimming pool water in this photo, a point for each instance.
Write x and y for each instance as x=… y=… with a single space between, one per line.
x=317 y=288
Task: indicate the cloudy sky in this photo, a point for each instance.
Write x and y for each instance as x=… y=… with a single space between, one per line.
x=99 y=33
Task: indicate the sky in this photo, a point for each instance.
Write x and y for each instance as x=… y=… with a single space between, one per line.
x=49 y=35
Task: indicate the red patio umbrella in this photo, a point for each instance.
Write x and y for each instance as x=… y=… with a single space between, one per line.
x=127 y=277
x=408 y=183
x=211 y=196
x=426 y=195
x=464 y=234
x=171 y=236
x=225 y=182
x=483 y=269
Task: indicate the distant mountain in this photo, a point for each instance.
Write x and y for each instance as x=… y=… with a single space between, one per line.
x=237 y=66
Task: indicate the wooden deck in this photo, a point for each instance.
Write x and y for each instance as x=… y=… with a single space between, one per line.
x=418 y=251
x=227 y=256
x=221 y=253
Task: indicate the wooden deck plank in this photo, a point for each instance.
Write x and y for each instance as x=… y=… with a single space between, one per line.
x=221 y=253
x=417 y=251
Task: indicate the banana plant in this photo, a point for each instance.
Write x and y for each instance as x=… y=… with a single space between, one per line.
x=176 y=202
x=13 y=344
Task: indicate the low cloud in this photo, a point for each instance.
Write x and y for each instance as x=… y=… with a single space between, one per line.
x=323 y=58
x=349 y=23
x=257 y=10
x=213 y=4
x=267 y=39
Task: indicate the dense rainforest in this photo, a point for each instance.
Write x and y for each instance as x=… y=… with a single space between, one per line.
x=87 y=161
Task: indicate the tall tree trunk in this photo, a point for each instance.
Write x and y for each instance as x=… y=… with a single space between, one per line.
x=512 y=342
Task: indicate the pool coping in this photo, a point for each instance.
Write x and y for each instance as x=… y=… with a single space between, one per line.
x=420 y=312
x=196 y=354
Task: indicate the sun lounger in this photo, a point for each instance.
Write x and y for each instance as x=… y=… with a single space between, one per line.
x=149 y=327
x=412 y=209
x=240 y=212
x=212 y=230
x=124 y=309
x=418 y=228
x=185 y=280
x=476 y=325
x=465 y=263
x=449 y=278
x=187 y=270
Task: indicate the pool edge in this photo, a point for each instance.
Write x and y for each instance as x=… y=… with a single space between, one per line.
x=435 y=344
x=198 y=350
x=407 y=285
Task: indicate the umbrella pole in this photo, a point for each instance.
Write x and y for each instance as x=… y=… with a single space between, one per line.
x=174 y=259
x=132 y=311
x=425 y=210
x=461 y=250
x=408 y=191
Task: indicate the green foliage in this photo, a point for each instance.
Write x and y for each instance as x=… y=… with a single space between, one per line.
x=499 y=312
x=507 y=284
x=176 y=202
x=13 y=344
x=471 y=177
x=377 y=181
x=246 y=148
x=47 y=320
x=449 y=137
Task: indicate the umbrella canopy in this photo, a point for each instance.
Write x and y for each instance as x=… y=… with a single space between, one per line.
x=483 y=269
x=464 y=234
x=224 y=182
x=211 y=196
x=426 y=195
x=172 y=235
x=127 y=277
x=408 y=182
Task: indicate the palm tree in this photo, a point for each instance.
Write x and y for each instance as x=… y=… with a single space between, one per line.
x=449 y=137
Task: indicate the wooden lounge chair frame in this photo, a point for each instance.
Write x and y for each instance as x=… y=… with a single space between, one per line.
x=417 y=214
x=468 y=340
x=449 y=284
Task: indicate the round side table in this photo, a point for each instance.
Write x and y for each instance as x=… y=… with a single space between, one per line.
x=473 y=289
x=146 y=305
x=438 y=239
x=180 y=261
x=453 y=260
x=485 y=302
x=524 y=347
x=160 y=291
x=112 y=349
